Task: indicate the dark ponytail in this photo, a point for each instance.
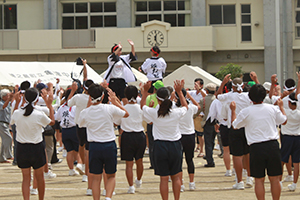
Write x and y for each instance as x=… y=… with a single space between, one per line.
x=30 y=95
x=166 y=105
x=178 y=103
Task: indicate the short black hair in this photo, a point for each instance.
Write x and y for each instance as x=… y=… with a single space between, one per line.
x=289 y=83
x=199 y=79
x=155 y=49
x=257 y=93
x=114 y=48
x=25 y=85
x=131 y=91
x=292 y=96
x=163 y=93
x=95 y=91
x=88 y=83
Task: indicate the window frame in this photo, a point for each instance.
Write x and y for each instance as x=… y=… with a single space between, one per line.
x=3 y=16
x=89 y=14
x=297 y=9
x=162 y=12
x=222 y=14
x=246 y=24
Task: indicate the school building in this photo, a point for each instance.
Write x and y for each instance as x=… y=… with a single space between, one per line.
x=204 y=33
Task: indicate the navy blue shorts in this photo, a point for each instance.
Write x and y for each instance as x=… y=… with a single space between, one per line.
x=31 y=155
x=290 y=146
x=103 y=155
x=82 y=137
x=133 y=145
x=167 y=157
x=224 y=131
x=199 y=133
x=265 y=156
x=69 y=139
x=237 y=142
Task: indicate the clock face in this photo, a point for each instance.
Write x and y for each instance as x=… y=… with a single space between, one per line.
x=155 y=38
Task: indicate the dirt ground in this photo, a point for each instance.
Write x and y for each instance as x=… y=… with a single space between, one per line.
x=210 y=184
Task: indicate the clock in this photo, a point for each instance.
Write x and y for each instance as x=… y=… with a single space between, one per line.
x=155 y=38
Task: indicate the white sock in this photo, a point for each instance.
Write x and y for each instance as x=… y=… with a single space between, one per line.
x=107 y=198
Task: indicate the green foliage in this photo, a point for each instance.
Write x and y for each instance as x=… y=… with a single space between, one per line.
x=230 y=68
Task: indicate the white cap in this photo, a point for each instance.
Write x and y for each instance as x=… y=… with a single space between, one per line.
x=267 y=85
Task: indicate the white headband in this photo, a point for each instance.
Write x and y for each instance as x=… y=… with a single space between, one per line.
x=159 y=98
x=239 y=86
x=288 y=89
x=133 y=100
x=98 y=99
x=85 y=87
x=22 y=91
x=292 y=101
x=32 y=103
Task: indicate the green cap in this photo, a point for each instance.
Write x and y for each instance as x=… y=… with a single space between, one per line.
x=251 y=83
x=158 y=84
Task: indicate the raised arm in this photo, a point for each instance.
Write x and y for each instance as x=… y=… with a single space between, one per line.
x=132 y=46
x=84 y=69
x=178 y=85
x=274 y=80
x=298 y=85
x=144 y=91
x=73 y=90
x=253 y=77
x=115 y=101
x=224 y=82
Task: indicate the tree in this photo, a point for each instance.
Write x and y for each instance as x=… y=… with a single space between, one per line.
x=231 y=68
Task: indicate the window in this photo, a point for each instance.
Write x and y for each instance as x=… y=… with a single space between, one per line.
x=246 y=22
x=177 y=13
x=8 y=16
x=89 y=15
x=221 y=14
x=297 y=19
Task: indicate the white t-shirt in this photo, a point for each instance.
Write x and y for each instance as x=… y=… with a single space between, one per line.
x=215 y=112
x=133 y=123
x=80 y=101
x=165 y=128
x=292 y=127
x=196 y=96
x=186 y=123
x=98 y=120
x=154 y=68
x=66 y=116
x=30 y=128
x=260 y=122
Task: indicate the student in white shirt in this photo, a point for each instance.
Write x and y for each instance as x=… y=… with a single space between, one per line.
x=65 y=115
x=119 y=71
x=186 y=128
x=260 y=122
x=133 y=139
x=198 y=93
x=98 y=119
x=30 y=152
x=167 y=146
x=237 y=141
x=154 y=67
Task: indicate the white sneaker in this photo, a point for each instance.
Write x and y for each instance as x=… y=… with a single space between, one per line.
x=170 y=180
x=104 y=192
x=228 y=173
x=292 y=187
x=73 y=172
x=138 y=183
x=182 y=188
x=60 y=149
x=89 y=192
x=84 y=178
x=50 y=174
x=64 y=154
x=147 y=152
x=245 y=173
x=33 y=191
x=217 y=147
x=79 y=169
x=239 y=186
x=131 y=190
x=281 y=185
x=289 y=178
x=249 y=181
x=192 y=186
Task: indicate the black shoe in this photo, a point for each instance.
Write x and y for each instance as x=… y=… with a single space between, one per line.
x=220 y=155
x=204 y=157
x=150 y=167
x=210 y=165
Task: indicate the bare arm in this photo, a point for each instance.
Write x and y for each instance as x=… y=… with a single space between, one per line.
x=233 y=114
x=193 y=100
x=224 y=82
x=48 y=100
x=115 y=101
x=144 y=90
x=84 y=70
x=132 y=46
x=73 y=90
x=273 y=85
x=9 y=98
x=178 y=85
x=280 y=105
x=298 y=85
x=253 y=77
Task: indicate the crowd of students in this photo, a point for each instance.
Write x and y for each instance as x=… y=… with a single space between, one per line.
x=246 y=119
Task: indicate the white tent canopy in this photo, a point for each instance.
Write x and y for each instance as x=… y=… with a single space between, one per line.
x=141 y=78
x=13 y=73
x=189 y=74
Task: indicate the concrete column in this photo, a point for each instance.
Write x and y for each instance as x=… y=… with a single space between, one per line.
x=269 y=39
x=124 y=14
x=54 y=14
x=197 y=59
x=46 y=14
x=198 y=12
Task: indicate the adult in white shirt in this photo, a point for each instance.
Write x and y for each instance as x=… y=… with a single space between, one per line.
x=154 y=67
x=198 y=93
x=30 y=152
x=167 y=148
x=119 y=71
x=260 y=122
x=237 y=140
x=133 y=139
x=186 y=128
x=98 y=119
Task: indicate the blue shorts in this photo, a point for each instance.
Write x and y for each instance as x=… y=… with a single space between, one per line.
x=69 y=139
x=290 y=146
x=103 y=155
x=133 y=145
x=199 y=133
x=82 y=137
x=31 y=155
